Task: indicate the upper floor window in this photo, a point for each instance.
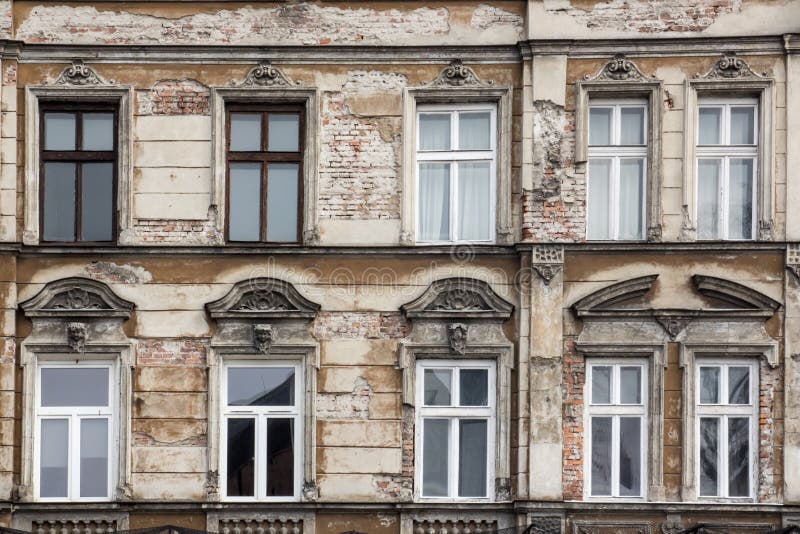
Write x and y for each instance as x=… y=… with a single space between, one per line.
x=261 y=425
x=456 y=429
x=75 y=422
x=727 y=425
x=727 y=153
x=617 y=156
x=78 y=158
x=264 y=158
x=616 y=437
x=456 y=168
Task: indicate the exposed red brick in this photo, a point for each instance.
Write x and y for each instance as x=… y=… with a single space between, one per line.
x=175 y=97
x=369 y=325
x=190 y=352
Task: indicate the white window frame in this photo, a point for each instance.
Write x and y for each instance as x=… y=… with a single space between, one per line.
x=75 y=414
x=262 y=414
x=723 y=411
x=616 y=152
x=615 y=410
x=454 y=156
x=454 y=413
x=725 y=152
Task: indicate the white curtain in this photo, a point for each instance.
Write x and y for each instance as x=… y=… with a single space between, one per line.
x=599 y=199
x=740 y=199
x=474 y=195
x=708 y=198
x=474 y=130
x=631 y=178
x=434 y=201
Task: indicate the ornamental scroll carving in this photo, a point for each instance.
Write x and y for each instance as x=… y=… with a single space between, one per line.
x=267 y=75
x=456 y=74
x=79 y=74
x=619 y=69
x=729 y=67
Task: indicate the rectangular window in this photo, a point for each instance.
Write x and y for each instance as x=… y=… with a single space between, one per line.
x=727 y=426
x=727 y=163
x=617 y=168
x=74 y=425
x=265 y=168
x=456 y=167
x=616 y=436
x=78 y=158
x=456 y=422
x=261 y=424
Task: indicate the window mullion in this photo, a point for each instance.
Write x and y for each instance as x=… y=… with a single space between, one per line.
x=454 y=230
x=454 y=455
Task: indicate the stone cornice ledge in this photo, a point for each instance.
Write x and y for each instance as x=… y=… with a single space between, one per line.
x=670 y=46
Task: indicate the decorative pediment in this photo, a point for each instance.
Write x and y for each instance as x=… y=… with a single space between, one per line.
x=604 y=299
x=459 y=298
x=267 y=75
x=729 y=67
x=456 y=74
x=732 y=293
x=619 y=69
x=263 y=298
x=76 y=297
x=79 y=74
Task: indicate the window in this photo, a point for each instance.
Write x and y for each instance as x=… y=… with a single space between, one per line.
x=616 y=433
x=456 y=167
x=727 y=153
x=78 y=158
x=260 y=427
x=727 y=396
x=264 y=159
x=75 y=427
x=617 y=156
x=456 y=429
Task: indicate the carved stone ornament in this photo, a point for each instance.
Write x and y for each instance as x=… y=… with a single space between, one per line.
x=263 y=297
x=262 y=337
x=79 y=74
x=458 y=75
x=547 y=271
x=459 y=297
x=457 y=337
x=310 y=491
x=502 y=489
x=729 y=67
x=673 y=325
x=619 y=69
x=212 y=484
x=76 y=297
x=545 y=524
x=267 y=75
x=76 y=336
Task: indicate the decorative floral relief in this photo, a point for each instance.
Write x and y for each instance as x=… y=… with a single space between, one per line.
x=458 y=75
x=76 y=299
x=459 y=300
x=263 y=301
x=79 y=74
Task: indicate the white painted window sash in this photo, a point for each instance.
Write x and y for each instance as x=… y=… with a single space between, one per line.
x=453 y=157
x=262 y=415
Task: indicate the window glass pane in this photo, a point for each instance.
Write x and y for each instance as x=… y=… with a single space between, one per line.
x=601 y=455
x=241 y=457
x=434 y=131
x=599 y=199
x=738 y=457
x=601 y=384
x=54 y=449
x=474 y=387
x=708 y=171
x=280 y=457
x=97 y=201
x=74 y=386
x=740 y=199
x=435 y=457
x=600 y=126
x=474 y=200
x=282 y=194
x=472 y=460
x=631 y=193
x=742 y=126
x=632 y=126
x=709 y=385
x=434 y=201
x=474 y=130
x=709 y=457
x=630 y=459
x=245 y=132
x=94 y=457
x=98 y=131
x=59 y=202
x=59 y=131
x=708 y=128
x=244 y=220
x=438 y=387
x=261 y=386
x=738 y=385
x=284 y=132
x=630 y=379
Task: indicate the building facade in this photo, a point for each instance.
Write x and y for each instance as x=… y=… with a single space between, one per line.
x=400 y=267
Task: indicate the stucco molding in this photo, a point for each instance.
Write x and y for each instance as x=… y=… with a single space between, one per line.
x=265 y=74
x=456 y=74
x=617 y=69
x=76 y=297
x=79 y=74
x=729 y=66
x=466 y=298
x=262 y=298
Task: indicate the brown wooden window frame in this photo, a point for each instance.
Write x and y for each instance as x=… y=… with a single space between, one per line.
x=79 y=158
x=264 y=157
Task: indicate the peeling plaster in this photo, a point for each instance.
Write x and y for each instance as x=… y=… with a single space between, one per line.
x=107 y=271
x=353 y=405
